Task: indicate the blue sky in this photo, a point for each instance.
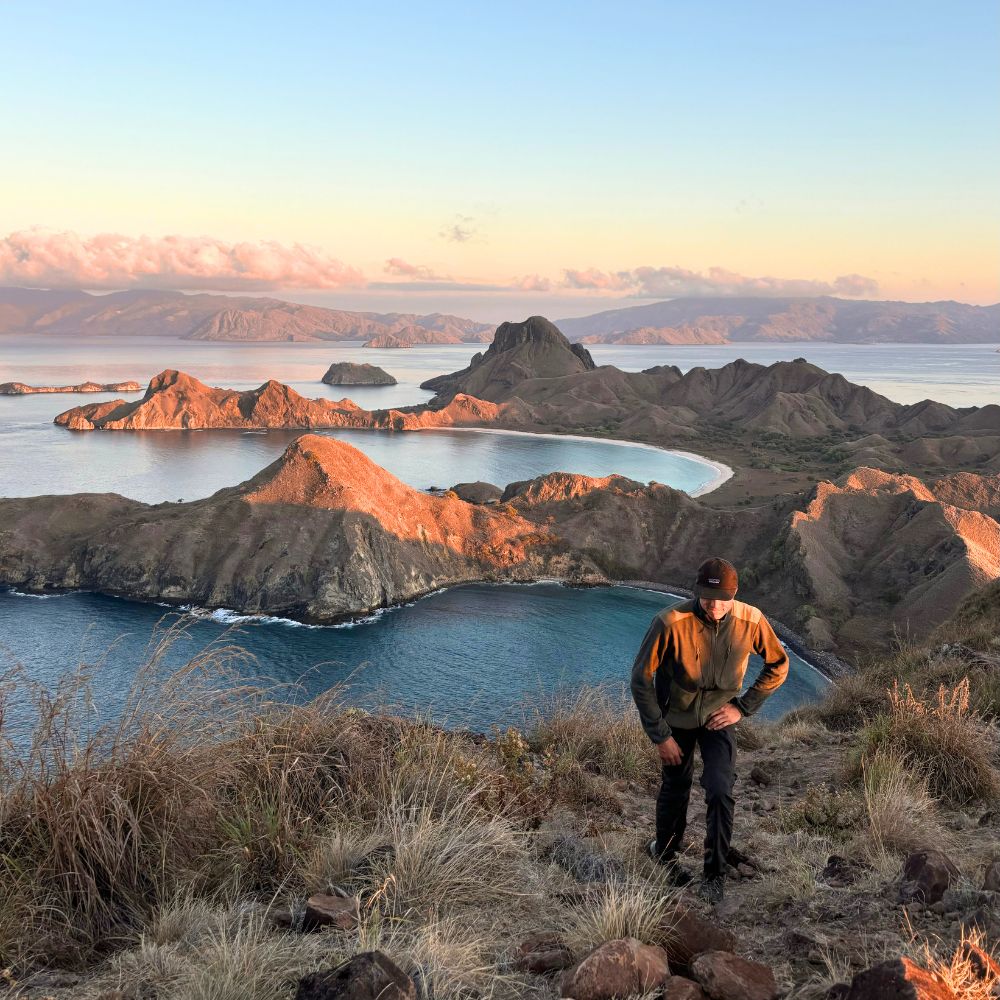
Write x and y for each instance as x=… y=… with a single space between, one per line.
x=792 y=140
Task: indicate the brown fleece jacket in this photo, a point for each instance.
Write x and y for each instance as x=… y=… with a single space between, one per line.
x=688 y=666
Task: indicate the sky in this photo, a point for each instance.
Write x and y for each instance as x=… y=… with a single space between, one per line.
x=490 y=160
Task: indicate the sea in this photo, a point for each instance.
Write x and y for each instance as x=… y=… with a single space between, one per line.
x=472 y=656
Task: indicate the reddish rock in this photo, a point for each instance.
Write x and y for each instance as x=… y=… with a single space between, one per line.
x=898 y=979
x=368 y=976
x=618 y=968
x=982 y=963
x=926 y=876
x=725 y=976
x=323 y=910
x=991 y=880
x=689 y=934
x=541 y=953
x=679 y=988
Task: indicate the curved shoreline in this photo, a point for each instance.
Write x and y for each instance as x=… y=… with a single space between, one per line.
x=827 y=665
x=722 y=471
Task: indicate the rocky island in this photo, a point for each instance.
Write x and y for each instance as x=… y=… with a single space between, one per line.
x=350 y=373
x=780 y=427
x=20 y=389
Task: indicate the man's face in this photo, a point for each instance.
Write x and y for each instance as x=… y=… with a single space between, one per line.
x=715 y=610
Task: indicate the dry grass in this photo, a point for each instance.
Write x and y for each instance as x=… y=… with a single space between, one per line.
x=209 y=788
x=624 y=908
x=902 y=814
x=599 y=729
x=965 y=978
x=802 y=857
x=946 y=742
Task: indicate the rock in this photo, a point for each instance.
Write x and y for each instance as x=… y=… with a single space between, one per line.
x=983 y=964
x=325 y=910
x=839 y=872
x=478 y=492
x=725 y=976
x=679 y=988
x=349 y=373
x=688 y=934
x=898 y=979
x=281 y=917
x=541 y=953
x=619 y=968
x=369 y=975
x=762 y=774
x=991 y=880
x=926 y=876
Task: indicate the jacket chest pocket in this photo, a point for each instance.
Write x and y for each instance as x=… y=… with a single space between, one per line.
x=734 y=668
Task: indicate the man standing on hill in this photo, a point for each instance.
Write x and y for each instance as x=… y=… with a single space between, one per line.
x=686 y=682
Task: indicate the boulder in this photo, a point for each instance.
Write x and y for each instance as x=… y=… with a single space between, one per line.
x=725 y=976
x=926 y=876
x=370 y=975
x=688 y=934
x=325 y=910
x=679 y=988
x=478 y=492
x=991 y=880
x=619 y=968
x=541 y=953
x=898 y=979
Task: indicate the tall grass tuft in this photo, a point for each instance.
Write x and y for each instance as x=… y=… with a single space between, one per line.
x=597 y=727
x=945 y=740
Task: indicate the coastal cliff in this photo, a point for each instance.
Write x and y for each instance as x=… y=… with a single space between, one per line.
x=324 y=533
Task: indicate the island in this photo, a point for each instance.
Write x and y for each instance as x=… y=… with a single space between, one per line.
x=350 y=373
x=21 y=389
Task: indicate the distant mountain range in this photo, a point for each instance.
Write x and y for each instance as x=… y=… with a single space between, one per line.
x=704 y=320
x=717 y=320
x=217 y=317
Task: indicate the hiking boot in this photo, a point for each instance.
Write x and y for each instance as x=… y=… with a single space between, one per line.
x=712 y=889
x=675 y=875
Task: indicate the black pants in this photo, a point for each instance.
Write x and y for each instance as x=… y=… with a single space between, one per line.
x=718 y=754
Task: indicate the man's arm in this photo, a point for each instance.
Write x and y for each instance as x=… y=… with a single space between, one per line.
x=647 y=662
x=772 y=674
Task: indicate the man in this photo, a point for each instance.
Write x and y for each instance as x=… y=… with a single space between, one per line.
x=686 y=682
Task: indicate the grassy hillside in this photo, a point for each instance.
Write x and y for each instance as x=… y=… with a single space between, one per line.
x=170 y=856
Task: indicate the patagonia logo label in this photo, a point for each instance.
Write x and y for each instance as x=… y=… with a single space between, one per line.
x=711 y=580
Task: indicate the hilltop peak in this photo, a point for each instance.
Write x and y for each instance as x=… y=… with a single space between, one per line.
x=534 y=349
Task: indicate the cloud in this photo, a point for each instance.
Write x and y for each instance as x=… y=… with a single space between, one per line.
x=109 y=260
x=400 y=268
x=461 y=229
x=670 y=282
x=531 y=283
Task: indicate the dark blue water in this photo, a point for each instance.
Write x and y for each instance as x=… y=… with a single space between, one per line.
x=472 y=656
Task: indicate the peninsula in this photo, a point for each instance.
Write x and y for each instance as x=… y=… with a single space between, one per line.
x=324 y=534
x=21 y=389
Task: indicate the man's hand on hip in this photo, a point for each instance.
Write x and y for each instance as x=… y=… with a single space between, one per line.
x=669 y=751
x=723 y=717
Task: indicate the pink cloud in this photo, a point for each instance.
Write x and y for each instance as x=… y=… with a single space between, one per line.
x=109 y=260
x=400 y=268
x=670 y=282
x=531 y=283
